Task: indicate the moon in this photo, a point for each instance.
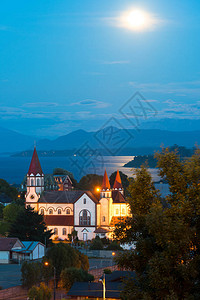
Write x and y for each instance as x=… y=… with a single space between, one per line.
x=136 y=20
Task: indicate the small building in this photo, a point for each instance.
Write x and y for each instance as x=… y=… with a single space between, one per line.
x=7 y=245
x=13 y=250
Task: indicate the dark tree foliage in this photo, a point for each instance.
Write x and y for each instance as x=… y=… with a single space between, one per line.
x=96 y=244
x=166 y=257
x=64 y=256
x=71 y=275
x=8 y=190
x=29 y=226
x=90 y=182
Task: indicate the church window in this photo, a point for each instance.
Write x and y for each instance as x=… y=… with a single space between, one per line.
x=32 y=182
x=123 y=211
x=38 y=182
x=64 y=231
x=56 y=231
x=68 y=211
x=42 y=211
x=104 y=218
x=59 y=211
x=51 y=211
x=117 y=211
x=84 y=217
x=84 y=201
x=104 y=195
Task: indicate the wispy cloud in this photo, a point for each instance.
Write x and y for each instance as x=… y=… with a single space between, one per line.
x=92 y=103
x=40 y=104
x=178 y=88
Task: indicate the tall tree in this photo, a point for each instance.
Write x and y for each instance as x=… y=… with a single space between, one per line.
x=167 y=240
x=29 y=226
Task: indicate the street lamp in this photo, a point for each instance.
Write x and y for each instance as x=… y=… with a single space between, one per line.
x=104 y=286
x=54 y=279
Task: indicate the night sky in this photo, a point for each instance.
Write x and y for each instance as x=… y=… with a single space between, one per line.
x=66 y=65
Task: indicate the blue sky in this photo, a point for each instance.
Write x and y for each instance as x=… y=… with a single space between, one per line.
x=66 y=65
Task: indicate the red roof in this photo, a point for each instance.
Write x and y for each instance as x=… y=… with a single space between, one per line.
x=118 y=182
x=59 y=220
x=106 y=183
x=35 y=167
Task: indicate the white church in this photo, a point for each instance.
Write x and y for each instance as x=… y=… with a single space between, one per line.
x=65 y=211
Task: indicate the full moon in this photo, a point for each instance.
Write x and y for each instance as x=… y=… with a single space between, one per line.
x=136 y=20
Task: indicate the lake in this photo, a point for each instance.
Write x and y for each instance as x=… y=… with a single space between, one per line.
x=13 y=169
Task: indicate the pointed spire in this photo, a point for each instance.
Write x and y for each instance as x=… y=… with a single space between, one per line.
x=106 y=183
x=35 y=167
x=118 y=182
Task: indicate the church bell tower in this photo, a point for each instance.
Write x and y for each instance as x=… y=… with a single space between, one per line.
x=35 y=180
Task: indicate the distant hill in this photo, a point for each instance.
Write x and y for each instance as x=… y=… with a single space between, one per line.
x=125 y=142
x=12 y=141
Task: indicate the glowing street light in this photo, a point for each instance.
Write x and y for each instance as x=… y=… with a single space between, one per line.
x=97 y=189
x=46 y=263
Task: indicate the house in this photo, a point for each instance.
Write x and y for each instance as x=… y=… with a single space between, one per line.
x=12 y=249
x=68 y=209
x=7 y=245
x=64 y=182
x=113 y=287
x=31 y=250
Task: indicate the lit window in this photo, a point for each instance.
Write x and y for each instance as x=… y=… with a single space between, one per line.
x=84 y=201
x=84 y=217
x=123 y=211
x=64 y=231
x=51 y=211
x=59 y=211
x=56 y=231
x=117 y=211
x=68 y=211
x=42 y=211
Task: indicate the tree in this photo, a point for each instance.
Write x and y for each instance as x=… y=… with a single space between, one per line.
x=63 y=256
x=31 y=273
x=167 y=254
x=96 y=244
x=71 y=275
x=8 y=190
x=90 y=182
x=29 y=226
x=11 y=212
x=39 y=293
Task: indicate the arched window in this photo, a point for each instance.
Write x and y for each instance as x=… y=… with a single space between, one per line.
x=38 y=182
x=68 y=211
x=123 y=211
x=84 y=201
x=42 y=211
x=64 y=231
x=59 y=211
x=51 y=211
x=117 y=211
x=56 y=231
x=84 y=217
x=104 y=219
x=32 y=182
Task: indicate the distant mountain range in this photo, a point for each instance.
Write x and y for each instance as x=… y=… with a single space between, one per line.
x=110 y=141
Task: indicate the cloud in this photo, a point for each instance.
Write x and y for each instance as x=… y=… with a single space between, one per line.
x=177 y=88
x=92 y=103
x=116 y=62
x=40 y=104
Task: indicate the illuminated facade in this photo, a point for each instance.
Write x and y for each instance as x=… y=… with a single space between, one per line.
x=73 y=209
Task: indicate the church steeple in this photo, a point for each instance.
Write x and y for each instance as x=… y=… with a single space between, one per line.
x=35 y=179
x=106 y=183
x=35 y=167
x=118 y=183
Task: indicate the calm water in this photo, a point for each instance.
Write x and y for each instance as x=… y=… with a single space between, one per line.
x=13 y=169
